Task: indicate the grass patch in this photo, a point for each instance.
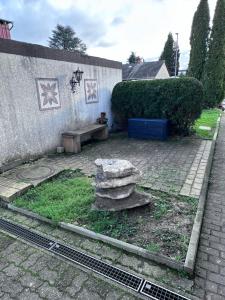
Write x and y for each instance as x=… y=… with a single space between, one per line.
x=152 y=247
x=208 y=118
x=113 y=224
x=61 y=200
x=68 y=197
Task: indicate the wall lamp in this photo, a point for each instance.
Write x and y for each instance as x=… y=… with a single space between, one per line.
x=76 y=79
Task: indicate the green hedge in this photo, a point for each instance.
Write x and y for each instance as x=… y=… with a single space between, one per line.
x=178 y=99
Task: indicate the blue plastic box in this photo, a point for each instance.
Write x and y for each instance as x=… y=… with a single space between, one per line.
x=155 y=129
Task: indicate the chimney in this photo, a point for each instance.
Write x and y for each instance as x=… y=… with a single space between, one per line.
x=5 y=27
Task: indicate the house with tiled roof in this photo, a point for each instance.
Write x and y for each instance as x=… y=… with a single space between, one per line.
x=145 y=71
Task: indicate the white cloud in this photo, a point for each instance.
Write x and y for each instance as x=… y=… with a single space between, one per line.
x=111 y=29
x=147 y=25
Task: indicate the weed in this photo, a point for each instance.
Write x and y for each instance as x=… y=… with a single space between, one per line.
x=68 y=174
x=178 y=258
x=152 y=247
x=162 y=206
x=173 y=240
x=179 y=273
x=114 y=224
x=164 y=279
x=193 y=204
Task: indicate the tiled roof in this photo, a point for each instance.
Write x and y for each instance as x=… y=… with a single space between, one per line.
x=144 y=70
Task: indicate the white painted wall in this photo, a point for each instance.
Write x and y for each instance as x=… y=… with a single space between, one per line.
x=163 y=73
x=26 y=131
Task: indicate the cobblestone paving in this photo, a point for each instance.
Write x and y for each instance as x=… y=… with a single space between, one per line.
x=55 y=276
x=210 y=269
x=165 y=165
x=27 y=273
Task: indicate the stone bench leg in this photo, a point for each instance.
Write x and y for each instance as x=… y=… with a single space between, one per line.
x=72 y=144
x=101 y=135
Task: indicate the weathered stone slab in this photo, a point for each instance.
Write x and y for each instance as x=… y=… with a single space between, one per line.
x=136 y=199
x=114 y=168
x=116 y=193
x=205 y=128
x=15 y=184
x=116 y=182
x=9 y=193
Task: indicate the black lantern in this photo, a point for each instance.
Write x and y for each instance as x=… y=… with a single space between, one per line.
x=76 y=79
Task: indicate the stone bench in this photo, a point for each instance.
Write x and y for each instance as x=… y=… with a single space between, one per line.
x=72 y=139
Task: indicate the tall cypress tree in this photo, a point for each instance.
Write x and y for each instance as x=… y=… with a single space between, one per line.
x=215 y=65
x=199 y=40
x=169 y=55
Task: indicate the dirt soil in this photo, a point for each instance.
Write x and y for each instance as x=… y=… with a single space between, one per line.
x=164 y=226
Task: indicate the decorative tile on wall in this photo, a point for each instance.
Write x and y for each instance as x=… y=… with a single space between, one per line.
x=48 y=93
x=91 y=90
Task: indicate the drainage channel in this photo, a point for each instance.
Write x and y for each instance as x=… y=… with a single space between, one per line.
x=131 y=281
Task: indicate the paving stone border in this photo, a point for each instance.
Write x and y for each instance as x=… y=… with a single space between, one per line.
x=189 y=264
x=195 y=179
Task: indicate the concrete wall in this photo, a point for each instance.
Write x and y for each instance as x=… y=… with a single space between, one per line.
x=163 y=73
x=27 y=131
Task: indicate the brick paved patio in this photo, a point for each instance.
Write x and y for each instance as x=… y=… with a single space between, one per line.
x=166 y=166
x=210 y=267
x=175 y=166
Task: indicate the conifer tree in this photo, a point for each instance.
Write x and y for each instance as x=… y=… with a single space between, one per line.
x=65 y=38
x=169 y=55
x=215 y=65
x=132 y=58
x=199 y=40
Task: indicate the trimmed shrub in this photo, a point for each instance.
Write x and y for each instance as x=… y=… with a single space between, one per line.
x=179 y=100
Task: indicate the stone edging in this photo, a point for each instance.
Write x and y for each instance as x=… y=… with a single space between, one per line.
x=158 y=258
x=189 y=264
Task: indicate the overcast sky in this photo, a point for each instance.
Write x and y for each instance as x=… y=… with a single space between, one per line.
x=111 y=29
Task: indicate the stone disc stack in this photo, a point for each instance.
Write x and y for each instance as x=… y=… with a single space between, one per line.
x=115 y=186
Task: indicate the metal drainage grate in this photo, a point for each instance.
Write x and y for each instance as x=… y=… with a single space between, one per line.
x=98 y=266
x=138 y=284
x=26 y=234
x=71 y=254
x=159 y=293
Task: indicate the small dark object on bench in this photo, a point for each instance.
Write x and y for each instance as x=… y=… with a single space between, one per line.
x=102 y=119
x=72 y=139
